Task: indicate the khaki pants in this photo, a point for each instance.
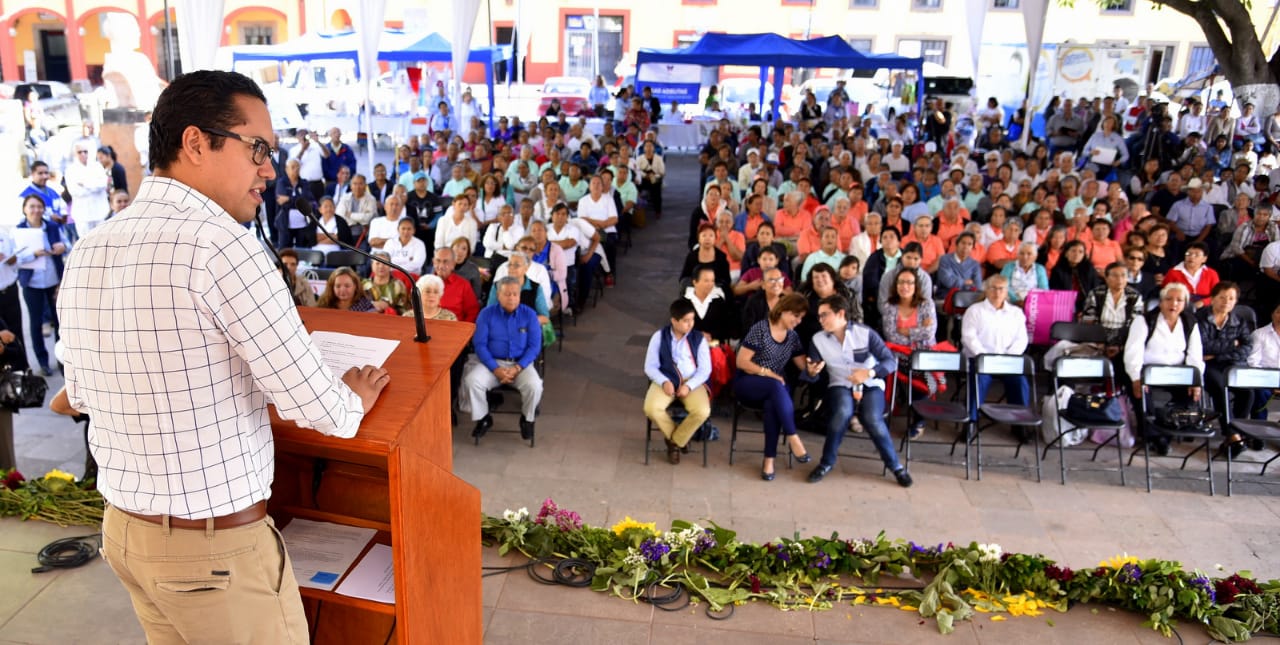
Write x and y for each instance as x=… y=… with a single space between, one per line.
x=697 y=404
x=205 y=586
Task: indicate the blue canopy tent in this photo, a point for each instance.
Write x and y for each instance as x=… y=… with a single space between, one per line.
x=395 y=46
x=777 y=52
x=435 y=48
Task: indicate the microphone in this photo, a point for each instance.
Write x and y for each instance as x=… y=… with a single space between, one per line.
x=303 y=206
x=284 y=273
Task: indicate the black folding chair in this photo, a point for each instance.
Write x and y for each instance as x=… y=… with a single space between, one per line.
x=335 y=259
x=959 y=304
x=1240 y=377
x=955 y=411
x=1074 y=371
x=1009 y=414
x=310 y=256
x=497 y=396
x=1174 y=376
x=740 y=409
x=650 y=427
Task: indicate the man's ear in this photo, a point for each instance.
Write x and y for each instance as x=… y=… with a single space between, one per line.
x=194 y=145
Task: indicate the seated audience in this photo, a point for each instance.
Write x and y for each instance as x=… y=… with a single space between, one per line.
x=1192 y=272
x=303 y=295
x=761 y=302
x=458 y=296
x=715 y=315
x=507 y=341
x=432 y=289
x=857 y=363
x=1168 y=335
x=1113 y=305
x=1226 y=340
x=995 y=326
x=343 y=291
x=678 y=364
x=385 y=291
x=406 y=250
x=761 y=382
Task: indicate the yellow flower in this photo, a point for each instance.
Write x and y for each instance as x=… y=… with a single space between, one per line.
x=889 y=601
x=1119 y=561
x=860 y=600
x=58 y=474
x=998 y=619
x=628 y=523
x=909 y=608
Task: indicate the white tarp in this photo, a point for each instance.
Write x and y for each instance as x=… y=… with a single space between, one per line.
x=199 y=38
x=464 y=23
x=368 y=22
x=976 y=13
x=1034 y=13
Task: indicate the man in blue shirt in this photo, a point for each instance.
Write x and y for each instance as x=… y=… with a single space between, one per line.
x=507 y=340
x=1192 y=217
x=857 y=363
x=959 y=270
x=336 y=154
x=56 y=209
x=678 y=364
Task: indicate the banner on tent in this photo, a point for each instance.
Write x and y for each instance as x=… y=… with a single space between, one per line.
x=671 y=81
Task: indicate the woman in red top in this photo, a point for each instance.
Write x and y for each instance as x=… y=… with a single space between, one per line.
x=1200 y=279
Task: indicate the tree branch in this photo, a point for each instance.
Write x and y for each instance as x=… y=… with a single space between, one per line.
x=1238 y=54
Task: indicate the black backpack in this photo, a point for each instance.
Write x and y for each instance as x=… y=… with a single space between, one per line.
x=1188 y=324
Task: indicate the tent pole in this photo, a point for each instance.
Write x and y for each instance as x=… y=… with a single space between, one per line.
x=488 y=79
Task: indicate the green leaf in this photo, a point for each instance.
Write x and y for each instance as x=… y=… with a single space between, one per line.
x=930 y=603
x=946 y=622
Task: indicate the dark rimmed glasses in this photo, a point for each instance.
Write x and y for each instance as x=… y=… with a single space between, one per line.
x=261 y=149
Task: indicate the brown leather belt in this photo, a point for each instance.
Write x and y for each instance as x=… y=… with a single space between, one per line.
x=240 y=518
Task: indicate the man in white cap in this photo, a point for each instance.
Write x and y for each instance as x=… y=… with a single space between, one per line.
x=1192 y=217
x=898 y=163
x=748 y=170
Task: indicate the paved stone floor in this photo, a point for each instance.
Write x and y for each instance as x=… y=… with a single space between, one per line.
x=589 y=458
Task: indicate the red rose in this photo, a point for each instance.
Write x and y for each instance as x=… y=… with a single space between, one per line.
x=13 y=480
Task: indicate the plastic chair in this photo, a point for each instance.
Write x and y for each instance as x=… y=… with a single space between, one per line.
x=959 y=304
x=1253 y=378
x=1008 y=414
x=1078 y=332
x=1083 y=370
x=1174 y=376
x=956 y=412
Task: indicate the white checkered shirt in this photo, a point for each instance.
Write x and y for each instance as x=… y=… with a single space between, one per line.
x=177 y=331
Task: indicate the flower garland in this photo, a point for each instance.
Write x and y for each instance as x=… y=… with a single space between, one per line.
x=57 y=497
x=953 y=582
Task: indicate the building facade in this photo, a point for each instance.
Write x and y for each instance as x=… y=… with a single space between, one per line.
x=63 y=40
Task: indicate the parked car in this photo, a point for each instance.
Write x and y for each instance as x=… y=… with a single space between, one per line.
x=572 y=92
x=60 y=105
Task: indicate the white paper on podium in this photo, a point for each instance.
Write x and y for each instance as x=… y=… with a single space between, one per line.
x=1105 y=156
x=28 y=240
x=373 y=578
x=342 y=352
x=322 y=551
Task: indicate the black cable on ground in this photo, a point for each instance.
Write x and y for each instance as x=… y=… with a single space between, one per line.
x=68 y=552
x=674 y=600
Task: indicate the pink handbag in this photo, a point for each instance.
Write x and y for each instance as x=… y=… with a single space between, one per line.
x=1042 y=308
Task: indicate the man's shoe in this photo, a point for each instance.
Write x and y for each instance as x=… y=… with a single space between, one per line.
x=482 y=426
x=818 y=473
x=903 y=477
x=526 y=429
x=673 y=452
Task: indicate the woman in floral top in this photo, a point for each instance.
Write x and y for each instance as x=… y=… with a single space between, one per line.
x=385 y=291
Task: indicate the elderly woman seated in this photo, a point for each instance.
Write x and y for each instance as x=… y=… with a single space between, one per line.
x=432 y=287
x=1169 y=335
x=386 y=291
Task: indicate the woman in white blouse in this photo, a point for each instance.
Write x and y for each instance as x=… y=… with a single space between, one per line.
x=1175 y=340
x=597 y=208
x=405 y=249
x=550 y=197
x=456 y=223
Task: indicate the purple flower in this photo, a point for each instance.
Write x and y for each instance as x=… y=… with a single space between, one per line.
x=1203 y=584
x=782 y=554
x=1132 y=572
x=705 y=541
x=654 y=550
x=821 y=562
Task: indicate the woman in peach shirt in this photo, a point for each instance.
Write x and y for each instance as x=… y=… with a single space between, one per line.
x=731 y=242
x=1039 y=232
x=791 y=220
x=1005 y=250
x=1104 y=250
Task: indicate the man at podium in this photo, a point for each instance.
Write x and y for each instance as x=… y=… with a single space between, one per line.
x=178 y=331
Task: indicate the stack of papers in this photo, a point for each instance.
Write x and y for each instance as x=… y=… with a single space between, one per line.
x=374 y=578
x=322 y=551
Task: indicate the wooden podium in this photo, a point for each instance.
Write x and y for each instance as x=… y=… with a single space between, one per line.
x=396 y=476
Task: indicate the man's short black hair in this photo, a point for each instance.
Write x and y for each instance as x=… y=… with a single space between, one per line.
x=680 y=307
x=38 y=165
x=203 y=99
x=836 y=303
